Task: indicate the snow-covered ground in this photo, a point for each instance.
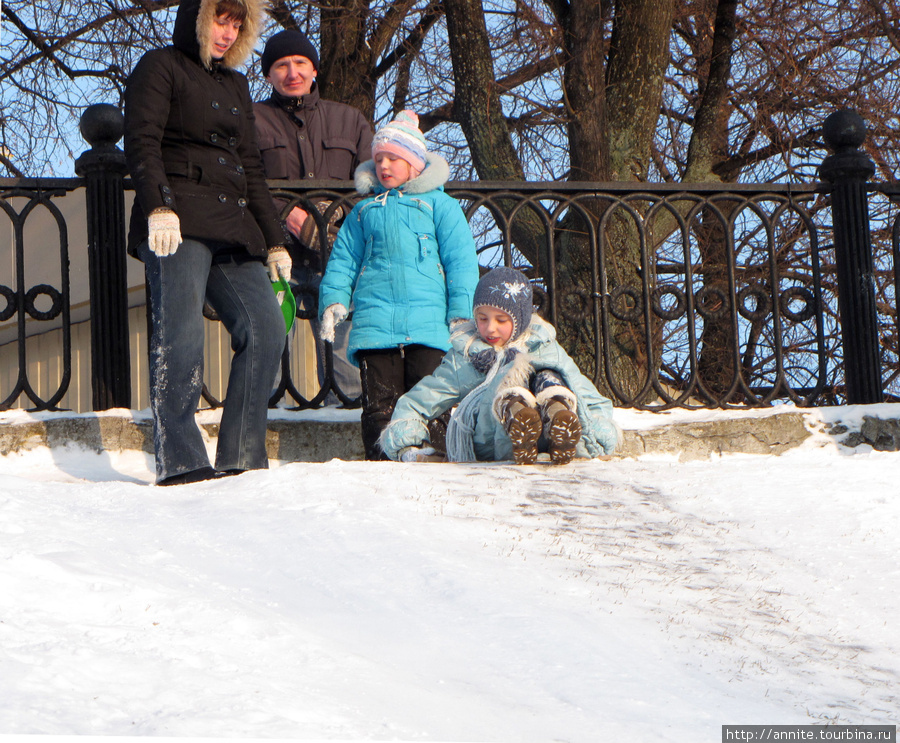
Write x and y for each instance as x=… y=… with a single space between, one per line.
x=634 y=600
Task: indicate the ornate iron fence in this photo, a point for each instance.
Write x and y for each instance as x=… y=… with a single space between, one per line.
x=667 y=295
x=48 y=300
x=883 y=200
x=727 y=293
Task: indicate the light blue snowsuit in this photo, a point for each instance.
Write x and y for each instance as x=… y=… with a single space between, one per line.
x=406 y=259
x=456 y=378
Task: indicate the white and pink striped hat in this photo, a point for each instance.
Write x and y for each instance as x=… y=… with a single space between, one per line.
x=402 y=138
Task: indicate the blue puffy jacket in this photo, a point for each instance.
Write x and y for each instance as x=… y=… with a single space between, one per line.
x=457 y=377
x=406 y=259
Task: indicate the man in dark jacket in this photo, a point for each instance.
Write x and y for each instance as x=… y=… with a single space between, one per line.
x=303 y=137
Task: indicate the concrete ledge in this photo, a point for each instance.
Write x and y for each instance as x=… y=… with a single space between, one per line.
x=301 y=438
x=318 y=436
x=773 y=434
x=98 y=433
x=314 y=441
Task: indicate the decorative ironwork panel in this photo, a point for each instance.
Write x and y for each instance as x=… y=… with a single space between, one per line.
x=47 y=301
x=884 y=221
x=666 y=295
x=669 y=297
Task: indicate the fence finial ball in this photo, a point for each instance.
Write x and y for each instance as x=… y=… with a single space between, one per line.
x=844 y=130
x=102 y=125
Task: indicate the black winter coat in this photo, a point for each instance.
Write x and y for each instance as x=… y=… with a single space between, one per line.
x=190 y=144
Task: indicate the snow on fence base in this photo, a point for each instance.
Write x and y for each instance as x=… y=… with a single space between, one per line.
x=322 y=435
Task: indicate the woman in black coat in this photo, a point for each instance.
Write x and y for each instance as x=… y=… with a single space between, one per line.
x=205 y=227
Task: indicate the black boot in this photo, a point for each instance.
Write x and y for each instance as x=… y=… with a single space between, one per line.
x=381 y=375
x=204 y=473
x=373 y=423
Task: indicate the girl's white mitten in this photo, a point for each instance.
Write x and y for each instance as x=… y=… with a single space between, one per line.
x=164 y=232
x=333 y=316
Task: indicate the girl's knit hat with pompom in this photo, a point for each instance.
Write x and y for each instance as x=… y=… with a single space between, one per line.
x=402 y=138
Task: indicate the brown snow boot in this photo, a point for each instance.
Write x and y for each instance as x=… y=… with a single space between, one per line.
x=561 y=428
x=523 y=426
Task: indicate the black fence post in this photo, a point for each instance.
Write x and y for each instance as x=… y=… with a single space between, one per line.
x=103 y=168
x=848 y=169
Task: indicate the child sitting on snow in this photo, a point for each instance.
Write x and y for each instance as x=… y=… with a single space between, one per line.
x=517 y=390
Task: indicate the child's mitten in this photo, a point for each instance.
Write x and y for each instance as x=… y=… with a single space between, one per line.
x=332 y=317
x=419 y=454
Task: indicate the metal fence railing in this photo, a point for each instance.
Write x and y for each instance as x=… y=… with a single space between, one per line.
x=667 y=295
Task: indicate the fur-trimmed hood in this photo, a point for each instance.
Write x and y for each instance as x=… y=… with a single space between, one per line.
x=435 y=174
x=465 y=338
x=193 y=26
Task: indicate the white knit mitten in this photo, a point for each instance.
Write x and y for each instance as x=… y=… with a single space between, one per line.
x=333 y=316
x=164 y=232
x=279 y=263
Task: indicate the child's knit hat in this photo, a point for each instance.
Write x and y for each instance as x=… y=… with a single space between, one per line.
x=508 y=290
x=402 y=138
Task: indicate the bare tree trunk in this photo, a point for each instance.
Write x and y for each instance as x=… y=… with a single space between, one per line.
x=638 y=56
x=585 y=90
x=346 y=61
x=477 y=105
x=612 y=120
x=709 y=138
x=717 y=364
x=350 y=51
x=478 y=110
x=708 y=147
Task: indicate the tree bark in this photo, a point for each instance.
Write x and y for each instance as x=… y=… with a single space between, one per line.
x=612 y=122
x=478 y=109
x=717 y=365
x=345 y=59
x=477 y=105
x=585 y=90
x=638 y=56
x=709 y=137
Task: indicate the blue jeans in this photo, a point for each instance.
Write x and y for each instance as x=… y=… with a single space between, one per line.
x=242 y=296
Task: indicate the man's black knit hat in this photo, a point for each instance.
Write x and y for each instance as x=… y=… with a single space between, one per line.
x=288 y=43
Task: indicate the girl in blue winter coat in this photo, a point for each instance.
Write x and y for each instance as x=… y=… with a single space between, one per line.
x=405 y=258
x=517 y=391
